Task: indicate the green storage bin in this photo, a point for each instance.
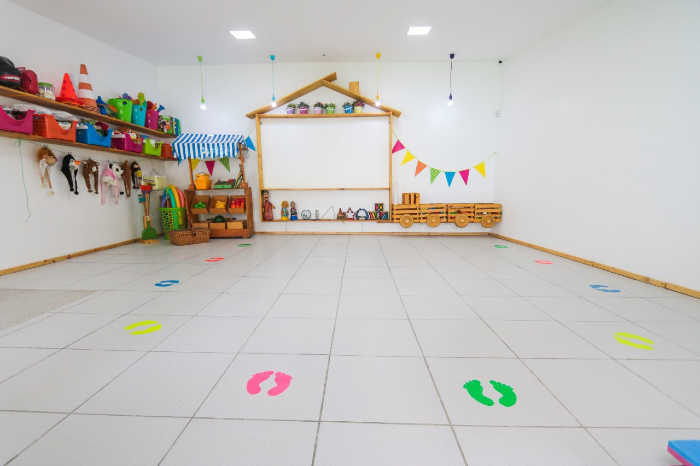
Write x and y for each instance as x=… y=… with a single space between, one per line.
x=152 y=148
x=172 y=218
x=123 y=109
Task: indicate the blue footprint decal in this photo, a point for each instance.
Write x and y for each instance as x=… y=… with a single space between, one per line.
x=167 y=283
x=603 y=288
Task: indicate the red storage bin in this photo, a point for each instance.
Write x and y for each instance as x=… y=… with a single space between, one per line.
x=46 y=126
x=127 y=143
x=166 y=151
x=25 y=125
x=152 y=119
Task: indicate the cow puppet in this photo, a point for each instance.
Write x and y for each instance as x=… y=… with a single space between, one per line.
x=110 y=181
x=69 y=168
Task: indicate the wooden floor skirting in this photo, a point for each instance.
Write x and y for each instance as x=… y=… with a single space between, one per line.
x=377 y=233
x=607 y=268
x=67 y=256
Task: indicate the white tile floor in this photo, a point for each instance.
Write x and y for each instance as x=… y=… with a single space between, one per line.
x=379 y=335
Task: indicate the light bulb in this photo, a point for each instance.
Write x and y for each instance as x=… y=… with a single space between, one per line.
x=377 y=103
x=449 y=101
x=203 y=107
x=274 y=104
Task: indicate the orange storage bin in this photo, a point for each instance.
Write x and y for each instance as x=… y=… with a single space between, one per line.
x=46 y=126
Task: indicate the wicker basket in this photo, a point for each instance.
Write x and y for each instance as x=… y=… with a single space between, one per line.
x=182 y=237
x=201 y=235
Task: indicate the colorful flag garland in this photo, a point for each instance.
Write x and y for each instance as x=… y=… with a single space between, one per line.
x=434 y=172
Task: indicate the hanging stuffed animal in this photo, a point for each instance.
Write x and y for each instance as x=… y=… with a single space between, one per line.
x=46 y=161
x=126 y=177
x=91 y=168
x=136 y=175
x=117 y=169
x=70 y=169
x=110 y=181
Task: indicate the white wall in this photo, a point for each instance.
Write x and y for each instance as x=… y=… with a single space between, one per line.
x=449 y=138
x=599 y=147
x=64 y=223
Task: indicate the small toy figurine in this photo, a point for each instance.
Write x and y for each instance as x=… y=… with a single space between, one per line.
x=293 y=211
x=285 y=212
x=267 y=207
x=341 y=214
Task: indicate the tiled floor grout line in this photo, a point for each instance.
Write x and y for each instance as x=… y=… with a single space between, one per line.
x=432 y=378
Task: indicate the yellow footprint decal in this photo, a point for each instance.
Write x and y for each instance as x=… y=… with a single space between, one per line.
x=622 y=337
x=154 y=328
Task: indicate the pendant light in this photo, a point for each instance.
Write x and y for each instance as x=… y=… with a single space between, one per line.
x=449 y=101
x=272 y=60
x=378 y=103
x=201 y=82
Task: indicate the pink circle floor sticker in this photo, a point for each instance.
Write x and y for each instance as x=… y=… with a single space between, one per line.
x=544 y=262
x=283 y=381
x=214 y=259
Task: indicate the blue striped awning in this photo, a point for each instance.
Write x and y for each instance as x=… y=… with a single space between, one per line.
x=206 y=146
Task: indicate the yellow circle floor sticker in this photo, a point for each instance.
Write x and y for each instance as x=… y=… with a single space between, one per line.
x=622 y=337
x=155 y=326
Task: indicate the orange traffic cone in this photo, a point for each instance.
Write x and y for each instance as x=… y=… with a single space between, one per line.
x=67 y=95
x=85 y=91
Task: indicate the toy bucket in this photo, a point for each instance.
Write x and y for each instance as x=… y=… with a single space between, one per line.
x=152 y=119
x=290 y=110
x=347 y=109
x=318 y=110
x=138 y=115
x=358 y=109
x=123 y=108
x=330 y=110
x=303 y=111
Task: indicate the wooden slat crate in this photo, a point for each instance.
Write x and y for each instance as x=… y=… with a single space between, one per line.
x=487 y=209
x=456 y=209
x=433 y=209
x=398 y=210
x=411 y=198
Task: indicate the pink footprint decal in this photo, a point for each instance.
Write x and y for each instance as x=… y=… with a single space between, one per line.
x=255 y=381
x=283 y=380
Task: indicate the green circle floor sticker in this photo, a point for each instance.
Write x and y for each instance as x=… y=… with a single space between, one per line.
x=500 y=246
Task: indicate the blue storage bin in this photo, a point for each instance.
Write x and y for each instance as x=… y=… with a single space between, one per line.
x=89 y=135
x=138 y=115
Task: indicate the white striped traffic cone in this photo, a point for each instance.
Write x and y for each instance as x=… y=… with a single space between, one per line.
x=85 y=91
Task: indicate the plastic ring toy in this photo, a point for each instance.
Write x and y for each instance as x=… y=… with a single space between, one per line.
x=305 y=214
x=357 y=215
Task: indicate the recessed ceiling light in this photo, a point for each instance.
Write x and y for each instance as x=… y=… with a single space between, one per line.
x=418 y=31
x=243 y=34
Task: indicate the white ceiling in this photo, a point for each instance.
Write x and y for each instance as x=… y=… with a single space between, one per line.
x=174 y=32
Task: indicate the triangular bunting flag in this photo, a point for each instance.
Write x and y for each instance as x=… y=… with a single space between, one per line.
x=465 y=176
x=448 y=177
x=419 y=167
x=397 y=147
x=434 y=172
x=210 y=166
x=407 y=158
x=194 y=163
x=226 y=163
x=249 y=143
x=481 y=168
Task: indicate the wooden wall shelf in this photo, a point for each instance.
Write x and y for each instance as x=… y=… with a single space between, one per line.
x=326 y=115
x=327 y=220
x=43 y=140
x=48 y=103
x=324 y=189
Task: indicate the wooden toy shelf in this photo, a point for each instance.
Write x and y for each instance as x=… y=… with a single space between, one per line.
x=48 y=103
x=327 y=115
x=224 y=233
x=40 y=139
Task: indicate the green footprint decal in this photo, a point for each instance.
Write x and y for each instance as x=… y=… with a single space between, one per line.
x=477 y=392
x=508 y=397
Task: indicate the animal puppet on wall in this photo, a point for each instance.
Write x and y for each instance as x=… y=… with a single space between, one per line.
x=110 y=181
x=136 y=175
x=126 y=177
x=91 y=168
x=69 y=168
x=117 y=169
x=46 y=160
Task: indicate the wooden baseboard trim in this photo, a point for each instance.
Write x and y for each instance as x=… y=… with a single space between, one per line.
x=19 y=268
x=607 y=268
x=377 y=233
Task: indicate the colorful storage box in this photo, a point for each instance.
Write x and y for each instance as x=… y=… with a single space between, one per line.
x=166 y=151
x=127 y=143
x=138 y=114
x=151 y=148
x=87 y=134
x=9 y=123
x=123 y=109
x=46 y=126
x=152 y=119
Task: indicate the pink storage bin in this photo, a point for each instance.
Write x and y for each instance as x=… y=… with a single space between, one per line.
x=152 y=119
x=25 y=125
x=125 y=142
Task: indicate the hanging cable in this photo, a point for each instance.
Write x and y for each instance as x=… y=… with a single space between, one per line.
x=201 y=82
x=377 y=103
x=449 y=101
x=272 y=61
x=18 y=145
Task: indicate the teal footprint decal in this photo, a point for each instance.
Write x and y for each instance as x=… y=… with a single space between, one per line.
x=476 y=391
x=167 y=283
x=603 y=288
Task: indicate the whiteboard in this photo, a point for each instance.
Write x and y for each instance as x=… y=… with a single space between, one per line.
x=314 y=153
